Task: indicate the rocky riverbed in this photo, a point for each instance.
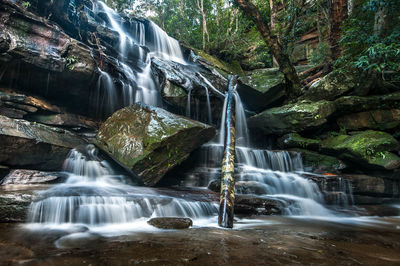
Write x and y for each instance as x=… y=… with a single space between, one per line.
x=265 y=240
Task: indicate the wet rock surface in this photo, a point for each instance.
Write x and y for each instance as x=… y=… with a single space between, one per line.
x=58 y=65
x=171 y=222
x=320 y=163
x=376 y=119
x=28 y=144
x=374 y=186
x=24 y=177
x=331 y=86
x=271 y=240
x=370 y=148
x=14 y=203
x=151 y=141
x=295 y=117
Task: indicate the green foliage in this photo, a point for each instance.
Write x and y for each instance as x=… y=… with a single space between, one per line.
x=371 y=37
x=70 y=62
x=26 y=4
x=320 y=54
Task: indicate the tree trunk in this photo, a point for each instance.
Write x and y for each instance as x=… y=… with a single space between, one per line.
x=381 y=24
x=274 y=16
x=232 y=20
x=338 y=13
x=227 y=195
x=293 y=85
x=204 y=30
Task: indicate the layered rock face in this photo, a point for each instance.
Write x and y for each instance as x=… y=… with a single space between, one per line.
x=64 y=71
x=342 y=124
x=84 y=61
x=150 y=140
x=28 y=144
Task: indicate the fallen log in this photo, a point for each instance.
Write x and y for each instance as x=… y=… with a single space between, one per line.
x=227 y=194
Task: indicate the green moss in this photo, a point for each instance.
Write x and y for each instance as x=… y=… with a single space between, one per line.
x=372 y=147
x=294 y=140
x=221 y=65
x=334 y=142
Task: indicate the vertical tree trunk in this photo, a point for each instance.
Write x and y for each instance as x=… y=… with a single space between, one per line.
x=293 y=85
x=381 y=24
x=274 y=16
x=338 y=13
x=232 y=20
x=204 y=30
x=227 y=195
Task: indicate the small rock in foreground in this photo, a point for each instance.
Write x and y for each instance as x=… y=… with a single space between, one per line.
x=170 y=222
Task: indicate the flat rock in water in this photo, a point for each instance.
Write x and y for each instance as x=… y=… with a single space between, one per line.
x=170 y=222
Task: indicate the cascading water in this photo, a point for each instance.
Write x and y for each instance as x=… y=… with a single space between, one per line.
x=272 y=174
x=95 y=196
x=139 y=84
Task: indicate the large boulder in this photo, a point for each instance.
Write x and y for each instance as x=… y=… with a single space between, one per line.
x=295 y=140
x=355 y=104
x=320 y=163
x=332 y=86
x=375 y=119
x=150 y=140
x=369 y=148
x=263 y=88
x=374 y=186
x=294 y=117
x=26 y=144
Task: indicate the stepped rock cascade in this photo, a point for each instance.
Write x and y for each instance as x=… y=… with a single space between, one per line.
x=94 y=195
x=139 y=84
x=273 y=174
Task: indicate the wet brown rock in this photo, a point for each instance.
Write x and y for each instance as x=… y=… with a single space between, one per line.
x=23 y=177
x=14 y=205
x=251 y=204
x=170 y=222
x=66 y=119
x=374 y=186
x=42 y=58
x=376 y=119
x=26 y=144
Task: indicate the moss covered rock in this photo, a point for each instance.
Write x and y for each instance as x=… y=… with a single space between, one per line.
x=320 y=163
x=150 y=140
x=174 y=95
x=370 y=148
x=294 y=140
x=352 y=104
x=295 y=117
x=331 y=86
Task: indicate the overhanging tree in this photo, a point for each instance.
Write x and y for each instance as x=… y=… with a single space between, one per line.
x=293 y=87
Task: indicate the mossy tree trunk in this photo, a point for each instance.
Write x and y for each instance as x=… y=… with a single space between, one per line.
x=293 y=86
x=227 y=195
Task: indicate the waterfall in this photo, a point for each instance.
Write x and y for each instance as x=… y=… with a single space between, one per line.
x=163 y=46
x=272 y=174
x=94 y=195
x=138 y=84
